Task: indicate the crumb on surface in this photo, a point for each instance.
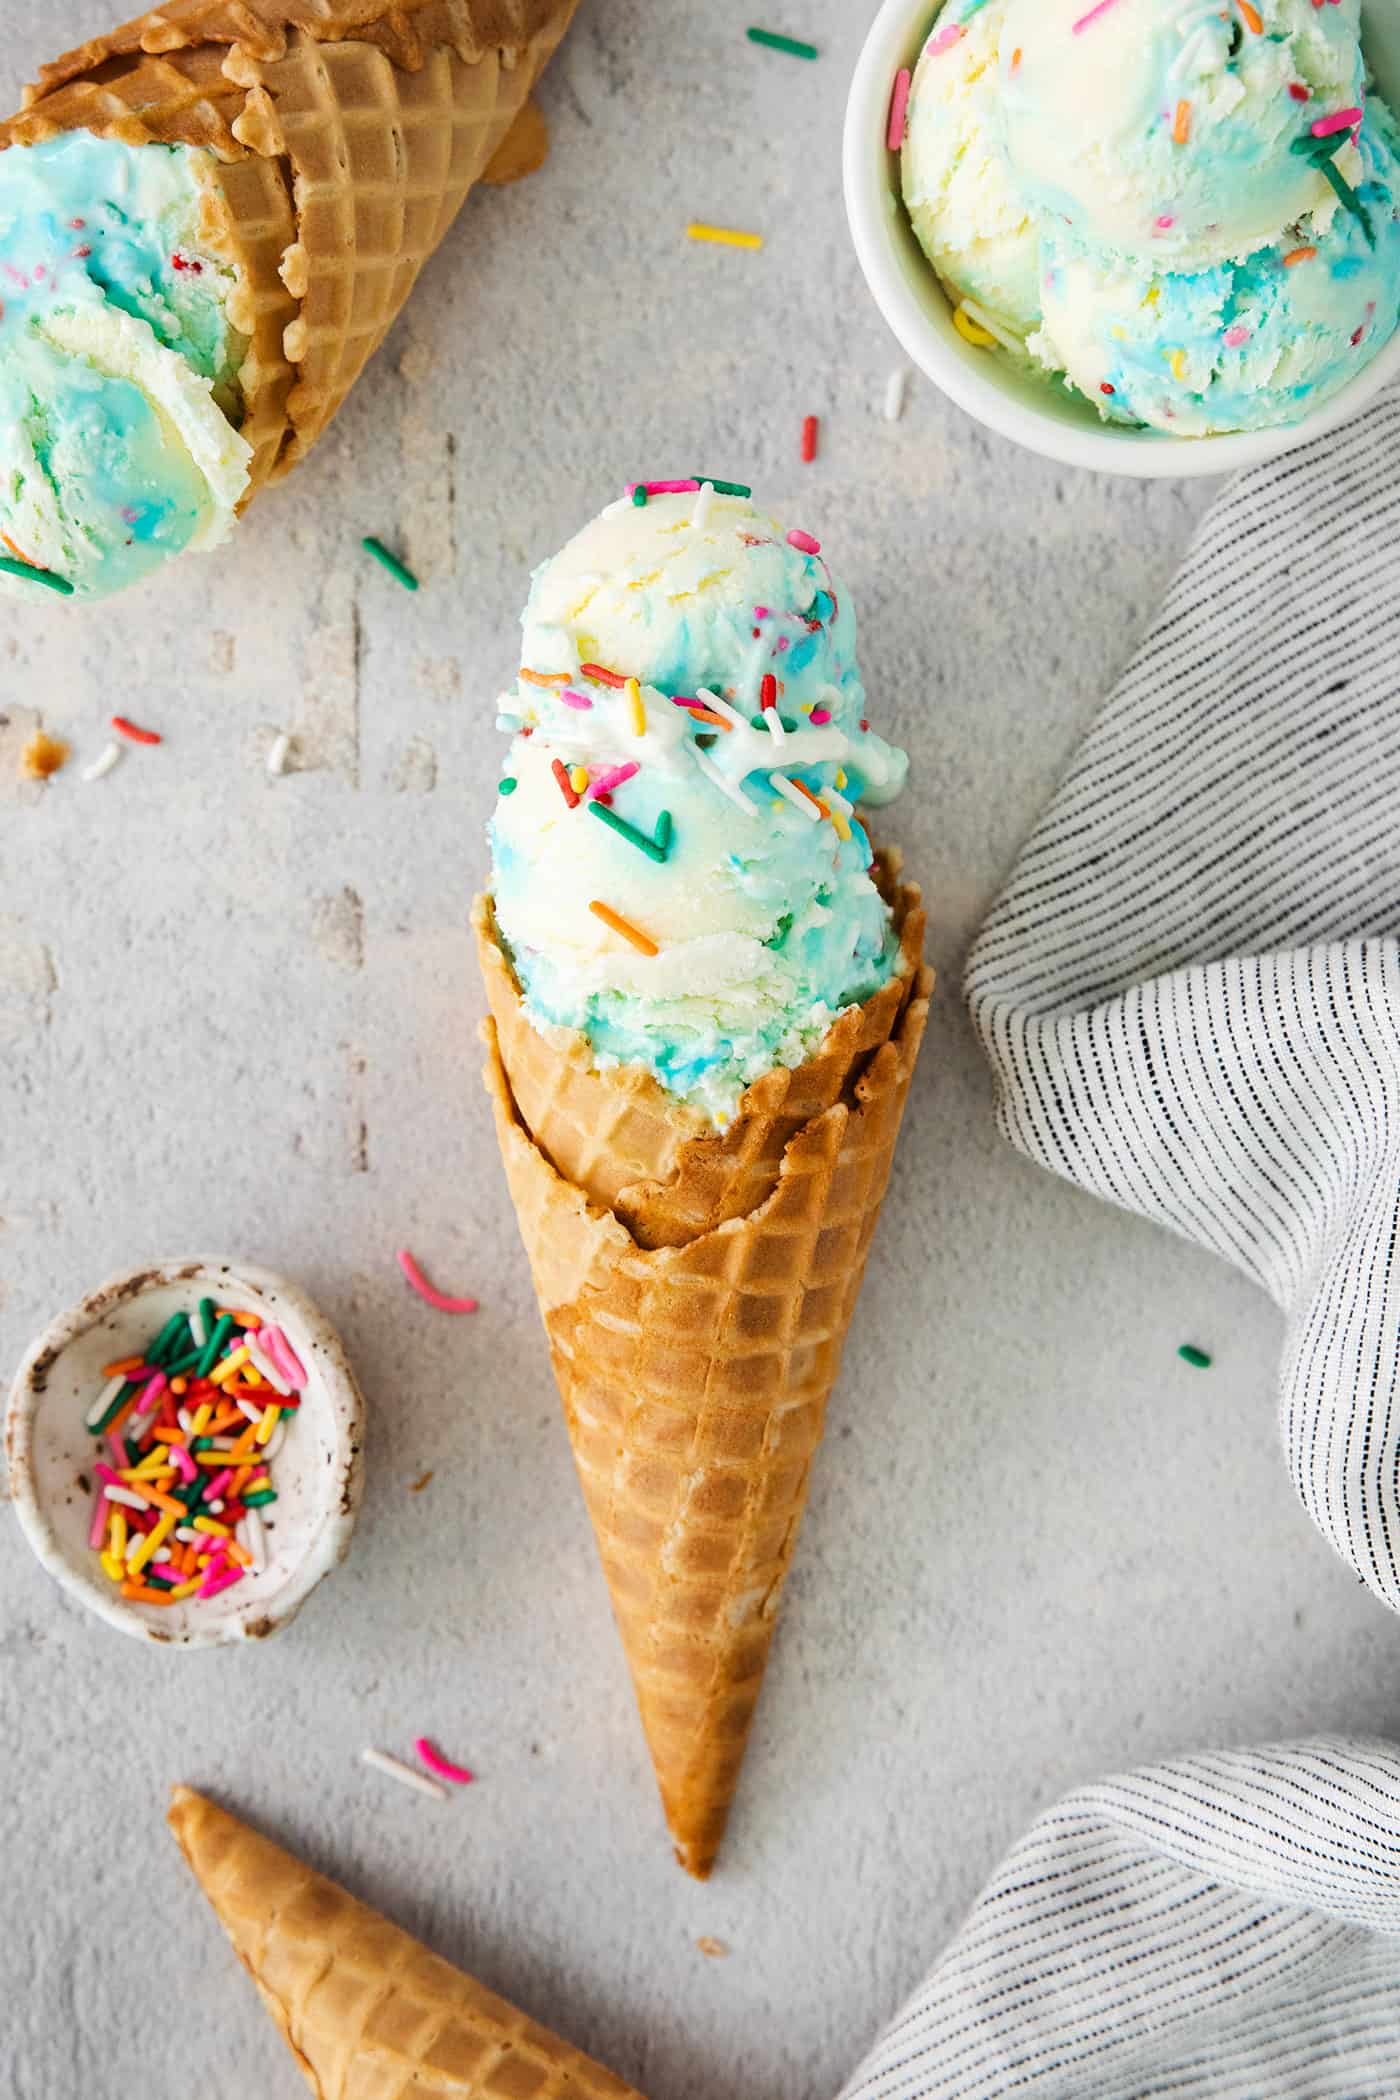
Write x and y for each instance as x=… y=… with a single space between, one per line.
x=43 y=756
x=418 y=1485
x=716 y=1949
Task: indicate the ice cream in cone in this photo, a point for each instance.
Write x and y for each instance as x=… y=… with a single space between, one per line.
x=209 y=220
x=367 y=2011
x=707 y=996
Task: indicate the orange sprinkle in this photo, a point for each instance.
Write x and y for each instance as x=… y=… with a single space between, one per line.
x=241 y=1319
x=1252 y=17
x=705 y=714
x=225 y=1419
x=166 y=1502
x=29 y=562
x=1181 y=129
x=1296 y=256
x=641 y=941
x=1016 y=60
x=815 y=800
x=547 y=678
x=180 y=1386
x=236 y=1552
x=139 y=1594
x=122 y=1416
x=127 y=1365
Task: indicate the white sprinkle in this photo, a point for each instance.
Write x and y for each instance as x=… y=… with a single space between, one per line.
x=275 y=1442
x=795 y=796
x=254 y=1540
x=721 y=708
x=992 y=325
x=125 y=1497
x=198 y=1334
x=222 y=1443
x=835 y=801
x=161 y=1553
x=896 y=393
x=726 y=786
x=137 y=1425
x=700 y=509
x=186 y=1536
x=214 y=1508
x=391 y=1767
x=182 y=1416
x=260 y=1363
x=104 y=764
x=277 y=765
x=246 y=1407
x=103 y=1401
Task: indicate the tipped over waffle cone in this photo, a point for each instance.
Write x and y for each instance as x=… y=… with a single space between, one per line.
x=346 y=136
x=367 y=2011
x=696 y=1291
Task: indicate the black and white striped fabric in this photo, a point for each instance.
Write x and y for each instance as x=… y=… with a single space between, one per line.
x=1190 y=990
x=1220 y=1928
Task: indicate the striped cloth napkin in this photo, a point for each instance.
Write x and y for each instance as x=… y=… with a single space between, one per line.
x=1218 y=1928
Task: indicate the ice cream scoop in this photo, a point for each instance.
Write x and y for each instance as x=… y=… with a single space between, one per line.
x=679 y=870
x=118 y=363
x=1244 y=345
x=970 y=218
x=1169 y=125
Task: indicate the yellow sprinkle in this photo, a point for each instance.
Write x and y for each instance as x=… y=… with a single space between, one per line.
x=969 y=331
x=578 y=779
x=213 y=1527
x=227 y=1368
x=252 y=1377
x=116 y=1538
x=201 y=1418
x=840 y=777
x=271 y=1417
x=839 y=825
x=636 y=708
x=114 y=1567
x=153 y=1462
x=149 y=1543
x=723 y=236
x=1153 y=296
x=186 y=1589
x=1177 y=361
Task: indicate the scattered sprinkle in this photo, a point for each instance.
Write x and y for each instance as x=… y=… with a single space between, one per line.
x=950 y=34
x=968 y=329
x=790 y=44
x=279 y=754
x=896 y=393
x=1296 y=256
x=507 y=786
x=722 y=236
x=601 y=677
x=418 y=1281
x=1106 y=387
x=445 y=1769
x=640 y=941
x=636 y=710
x=1086 y=21
x=566 y=787
x=639 y=498
x=722 y=781
x=132 y=732
x=30 y=572
x=664 y=488
x=656 y=848
x=1254 y=21
x=1299 y=92
x=416 y=1487
x=405 y=1774
x=803 y=542
x=725 y=488
x=798 y=796
x=768 y=690
x=1181 y=126
x=43 y=756
x=1341 y=120
x=1197 y=1358
x=716 y=1949
x=899 y=99
x=614 y=777
x=811 y=425
x=390 y=562
x=545 y=678
x=578 y=780
x=1177 y=360
x=578 y=701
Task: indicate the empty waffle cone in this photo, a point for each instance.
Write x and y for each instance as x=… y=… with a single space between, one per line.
x=346 y=135
x=367 y=2011
x=695 y=1365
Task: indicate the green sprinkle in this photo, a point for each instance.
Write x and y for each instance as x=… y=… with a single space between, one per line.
x=654 y=848
x=770 y=39
x=1350 y=200
x=639 y=496
x=183 y=1364
x=257 y=1501
x=1197 y=1358
x=390 y=562
x=507 y=786
x=27 y=573
x=161 y=1345
x=115 y=1409
x=213 y=1348
x=725 y=488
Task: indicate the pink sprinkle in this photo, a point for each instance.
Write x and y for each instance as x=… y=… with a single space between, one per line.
x=418 y=1281
x=117 y=1449
x=183 y=1463
x=275 y=1344
x=577 y=700
x=217 y=1485
x=804 y=542
x=99 y=1521
x=225 y=1582
x=1237 y=336
x=899 y=105
x=1166 y=221
x=105 y=1473
x=81 y=254
x=952 y=33
x=763 y=612
x=436 y=1762
x=146 y=1404
x=820 y=717
x=1341 y=121
x=1085 y=21
x=663 y=488
x=606 y=782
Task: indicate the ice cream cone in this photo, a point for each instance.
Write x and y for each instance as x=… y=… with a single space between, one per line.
x=347 y=134
x=367 y=2011
x=697 y=1292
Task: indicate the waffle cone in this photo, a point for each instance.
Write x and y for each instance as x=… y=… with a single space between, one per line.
x=695 y=1364
x=367 y=2011
x=346 y=136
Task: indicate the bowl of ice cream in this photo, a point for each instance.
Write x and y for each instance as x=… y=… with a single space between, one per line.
x=185 y=1451
x=1132 y=236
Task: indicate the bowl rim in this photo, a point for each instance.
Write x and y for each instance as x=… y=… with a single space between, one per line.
x=327 y=1545
x=979 y=383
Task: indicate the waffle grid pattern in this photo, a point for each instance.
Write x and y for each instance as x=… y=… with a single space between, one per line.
x=367 y=2011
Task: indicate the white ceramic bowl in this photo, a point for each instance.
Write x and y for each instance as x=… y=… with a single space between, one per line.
x=1045 y=418
x=318 y=1472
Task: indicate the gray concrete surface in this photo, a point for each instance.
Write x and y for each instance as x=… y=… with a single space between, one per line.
x=237 y=1013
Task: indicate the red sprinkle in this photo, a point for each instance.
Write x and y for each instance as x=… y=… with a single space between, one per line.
x=566 y=786
x=129 y=729
x=1299 y=92
x=602 y=677
x=181 y=262
x=768 y=691
x=810 y=428
x=1105 y=388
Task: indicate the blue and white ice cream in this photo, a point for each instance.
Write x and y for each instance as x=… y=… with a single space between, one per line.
x=690 y=744
x=1208 y=189
x=119 y=359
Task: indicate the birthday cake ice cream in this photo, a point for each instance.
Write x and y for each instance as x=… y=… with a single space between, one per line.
x=119 y=393
x=1209 y=191
x=680 y=871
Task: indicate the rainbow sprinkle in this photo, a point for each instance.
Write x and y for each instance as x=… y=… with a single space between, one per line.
x=722 y=236
x=30 y=572
x=390 y=562
x=191 y=1425
x=772 y=41
x=899 y=103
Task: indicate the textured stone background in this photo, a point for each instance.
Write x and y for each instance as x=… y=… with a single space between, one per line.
x=239 y=1014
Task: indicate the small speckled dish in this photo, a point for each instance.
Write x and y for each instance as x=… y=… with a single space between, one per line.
x=319 y=1469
